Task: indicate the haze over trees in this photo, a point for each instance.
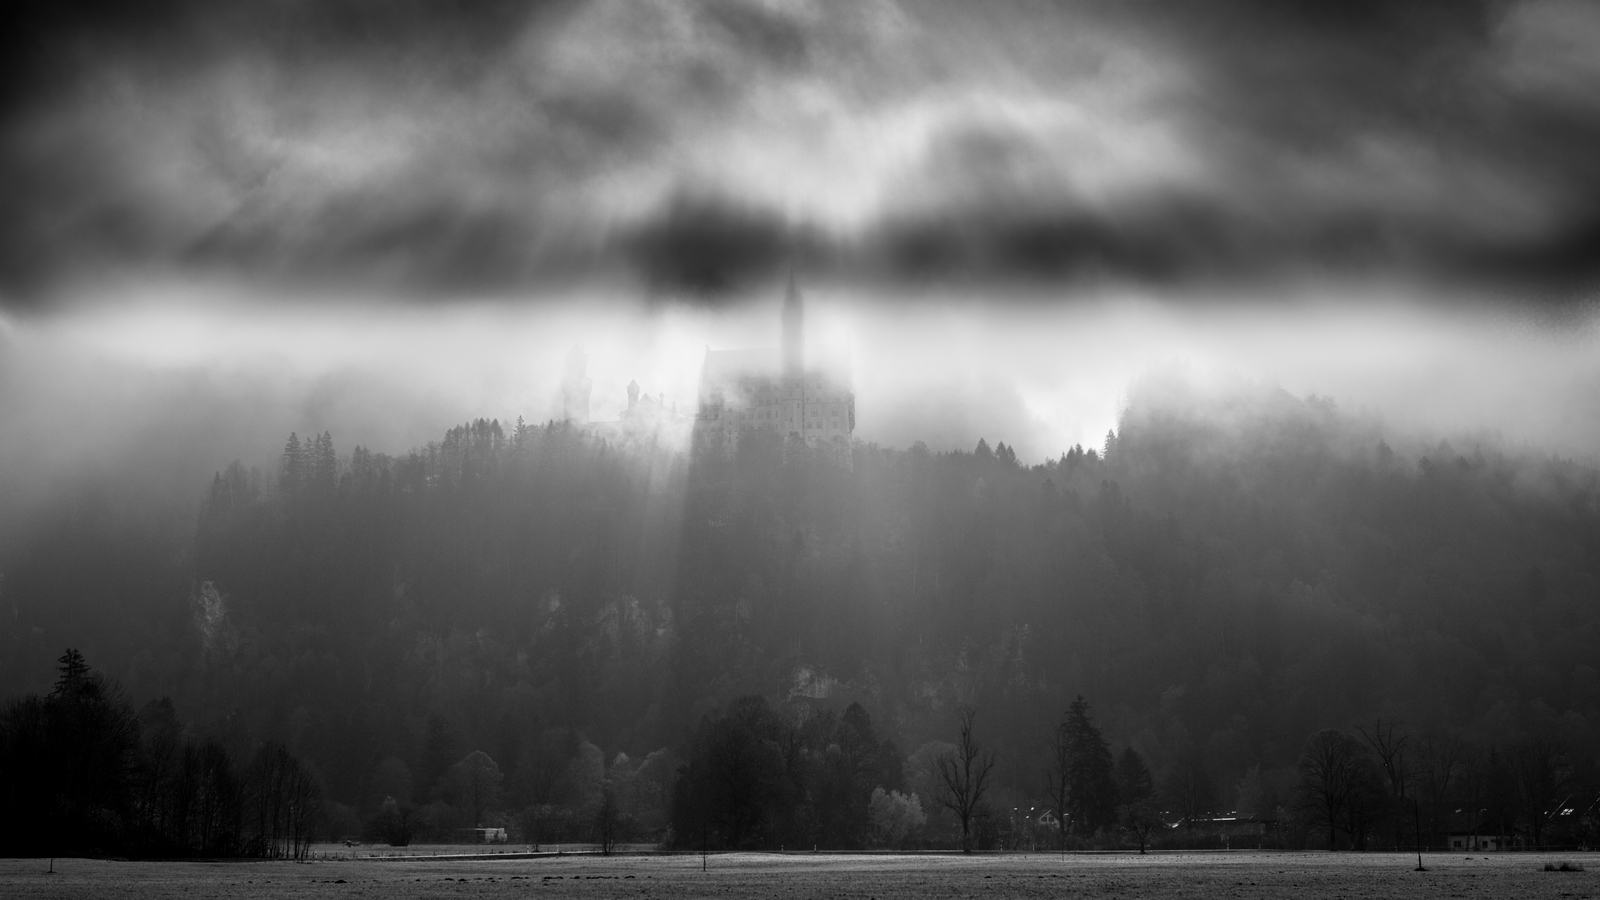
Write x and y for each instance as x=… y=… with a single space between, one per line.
x=726 y=646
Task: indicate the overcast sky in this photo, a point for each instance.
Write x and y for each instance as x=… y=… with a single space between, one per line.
x=699 y=146
x=382 y=217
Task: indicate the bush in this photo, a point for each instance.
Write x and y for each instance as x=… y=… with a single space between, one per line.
x=550 y=824
x=895 y=817
x=395 y=824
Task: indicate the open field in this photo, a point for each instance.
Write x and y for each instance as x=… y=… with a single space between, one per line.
x=804 y=876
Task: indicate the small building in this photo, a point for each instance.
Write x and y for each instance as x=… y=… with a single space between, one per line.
x=1469 y=829
x=1048 y=819
x=482 y=835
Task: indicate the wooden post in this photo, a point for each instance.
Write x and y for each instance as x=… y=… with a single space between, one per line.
x=1416 y=807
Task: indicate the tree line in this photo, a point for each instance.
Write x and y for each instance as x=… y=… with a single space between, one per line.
x=1384 y=787
x=768 y=776
x=1225 y=576
x=82 y=774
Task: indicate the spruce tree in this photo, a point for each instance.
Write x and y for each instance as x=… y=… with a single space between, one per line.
x=1091 y=780
x=74 y=676
x=1135 y=791
x=293 y=471
x=324 y=465
x=1133 y=777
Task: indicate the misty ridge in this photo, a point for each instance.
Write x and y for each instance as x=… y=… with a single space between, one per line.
x=533 y=628
x=789 y=599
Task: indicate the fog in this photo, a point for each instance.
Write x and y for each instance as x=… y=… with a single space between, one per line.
x=226 y=225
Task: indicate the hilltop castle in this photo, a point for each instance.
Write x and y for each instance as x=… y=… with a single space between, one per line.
x=773 y=390
x=741 y=391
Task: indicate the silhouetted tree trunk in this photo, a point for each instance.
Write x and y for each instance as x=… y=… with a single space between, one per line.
x=964 y=774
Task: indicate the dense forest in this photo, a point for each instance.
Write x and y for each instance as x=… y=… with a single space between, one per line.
x=528 y=626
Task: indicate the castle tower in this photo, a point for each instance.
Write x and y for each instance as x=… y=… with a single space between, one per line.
x=773 y=391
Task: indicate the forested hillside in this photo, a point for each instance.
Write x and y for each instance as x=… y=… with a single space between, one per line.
x=1227 y=576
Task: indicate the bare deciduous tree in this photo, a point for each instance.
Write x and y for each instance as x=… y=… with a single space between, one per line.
x=964 y=775
x=474 y=784
x=284 y=804
x=1388 y=741
x=1336 y=784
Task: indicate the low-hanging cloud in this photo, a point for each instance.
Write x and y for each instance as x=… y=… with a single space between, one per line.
x=162 y=392
x=699 y=148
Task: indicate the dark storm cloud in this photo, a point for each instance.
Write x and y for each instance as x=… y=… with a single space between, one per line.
x=87 y=84
x=1486 y=96
x=708 y=246
x=53 y=48
x=699 y=147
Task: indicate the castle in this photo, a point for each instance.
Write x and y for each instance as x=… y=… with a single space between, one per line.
x=773 y=391
x=741 y=391
x=646 y=420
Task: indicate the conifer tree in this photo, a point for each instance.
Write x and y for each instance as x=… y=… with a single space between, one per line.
x=1136 y=795
x=324 y=465
x=74 y=675
x=1091 y=784
x=293 y=471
